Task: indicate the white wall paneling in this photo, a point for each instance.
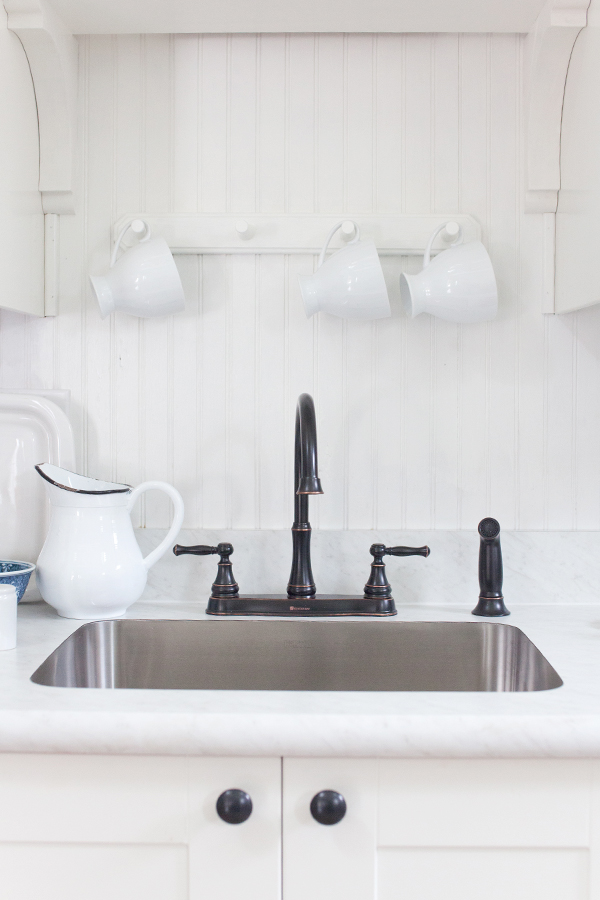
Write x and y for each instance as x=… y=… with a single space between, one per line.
x=422 y=423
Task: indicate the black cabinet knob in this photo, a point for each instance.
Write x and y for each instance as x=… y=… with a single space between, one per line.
x=328 y=807
x=234 y=806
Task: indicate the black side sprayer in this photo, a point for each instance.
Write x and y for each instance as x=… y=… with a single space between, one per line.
x=491 y=601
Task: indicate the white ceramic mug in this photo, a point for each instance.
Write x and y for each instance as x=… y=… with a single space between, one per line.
x=143 y=282
x=350 y=284
x=458 y=285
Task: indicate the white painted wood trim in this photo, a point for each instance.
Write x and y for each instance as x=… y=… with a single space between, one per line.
x=549 y=263
x=549 y=49
x=295 y=234
x=287 y=16
x=51 y=264
x=52 y=54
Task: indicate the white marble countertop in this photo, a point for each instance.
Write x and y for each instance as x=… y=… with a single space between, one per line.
x=551 y=586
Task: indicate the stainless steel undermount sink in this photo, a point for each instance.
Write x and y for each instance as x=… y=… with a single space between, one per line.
x=167 y=654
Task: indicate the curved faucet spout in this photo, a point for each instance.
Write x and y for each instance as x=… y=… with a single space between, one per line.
x=306 y=482
x=306 y=470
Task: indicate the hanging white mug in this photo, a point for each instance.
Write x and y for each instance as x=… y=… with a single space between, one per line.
x=143 y=282
x=458 y=285
x=350 y=284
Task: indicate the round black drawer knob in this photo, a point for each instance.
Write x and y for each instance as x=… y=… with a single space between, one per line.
x=328 y=807
x=234 y=806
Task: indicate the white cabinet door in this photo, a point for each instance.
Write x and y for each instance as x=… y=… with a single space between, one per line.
x=136 y=828
x=21 y=216
x=231 y=862
x=474 y=829
x=329 y=862
x=442 y=830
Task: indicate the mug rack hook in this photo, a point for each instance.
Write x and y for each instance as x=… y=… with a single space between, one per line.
x=138 y=226
x=452 y=232
x=244 y=229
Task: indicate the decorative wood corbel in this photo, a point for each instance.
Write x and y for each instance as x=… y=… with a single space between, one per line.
x=549 y=48
x=52 y=54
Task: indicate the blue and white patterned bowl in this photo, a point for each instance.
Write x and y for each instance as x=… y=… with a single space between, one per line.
x=16 y=572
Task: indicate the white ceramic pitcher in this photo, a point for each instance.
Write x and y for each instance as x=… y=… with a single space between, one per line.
x=91 y=566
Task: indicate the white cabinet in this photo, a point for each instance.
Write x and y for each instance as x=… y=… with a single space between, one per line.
x=21 y=216
x=144 y=828
x=441 y=830
x=330 y=861
x=470 y=829
x=136 y=828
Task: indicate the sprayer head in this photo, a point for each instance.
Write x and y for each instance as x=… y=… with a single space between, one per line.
x=489 y=529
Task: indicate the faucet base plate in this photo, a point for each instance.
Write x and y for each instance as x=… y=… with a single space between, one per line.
x=282 y=605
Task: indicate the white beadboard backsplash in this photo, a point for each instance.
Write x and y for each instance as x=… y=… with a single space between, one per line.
x=422 y=424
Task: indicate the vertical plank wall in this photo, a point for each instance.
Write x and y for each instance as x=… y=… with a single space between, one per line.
x=422 y=423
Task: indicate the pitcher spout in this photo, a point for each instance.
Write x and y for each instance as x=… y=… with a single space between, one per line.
x=78 y=484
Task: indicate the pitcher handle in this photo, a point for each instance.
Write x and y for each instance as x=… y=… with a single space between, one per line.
x=175 y=528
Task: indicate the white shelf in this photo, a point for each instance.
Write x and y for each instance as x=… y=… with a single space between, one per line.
x=294 y=234
x=46 y=29
x=217 y=16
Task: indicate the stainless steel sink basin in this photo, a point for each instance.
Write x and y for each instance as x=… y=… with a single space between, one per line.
x=298 y=656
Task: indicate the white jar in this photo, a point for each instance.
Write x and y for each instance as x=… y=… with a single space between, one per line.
x=8 y=617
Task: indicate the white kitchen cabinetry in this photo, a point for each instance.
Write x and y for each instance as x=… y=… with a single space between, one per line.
x=136 y=828
x=21 y=215
x=330 y=861
x=483 y=828
x=144 y=828
x=442 y=830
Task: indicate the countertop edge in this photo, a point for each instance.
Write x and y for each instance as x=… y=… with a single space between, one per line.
x=301 y=735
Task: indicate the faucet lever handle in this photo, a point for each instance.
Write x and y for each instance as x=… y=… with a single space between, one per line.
x=378 y=585
x=225 y=584
x=404 y=551
x=198 y=550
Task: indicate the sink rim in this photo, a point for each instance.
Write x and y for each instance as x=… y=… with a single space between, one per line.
x=549 y=677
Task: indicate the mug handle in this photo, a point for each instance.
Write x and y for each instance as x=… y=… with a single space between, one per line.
x=175 y=528
x=135 y=226
x=331 y=234
x=457 y=240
